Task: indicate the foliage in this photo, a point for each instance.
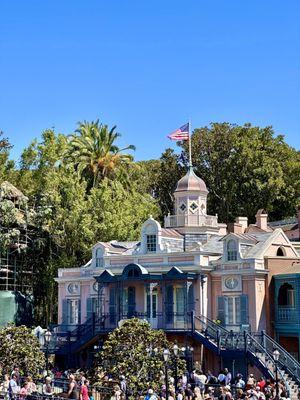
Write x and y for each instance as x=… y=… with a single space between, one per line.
x=19 y=347
x=93 y=152
x=126 y=352
x=246 y=168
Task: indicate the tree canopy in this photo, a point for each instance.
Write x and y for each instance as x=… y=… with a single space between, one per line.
x=135 y=350
x=19 y=347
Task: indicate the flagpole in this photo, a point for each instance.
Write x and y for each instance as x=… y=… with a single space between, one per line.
x=190 y=144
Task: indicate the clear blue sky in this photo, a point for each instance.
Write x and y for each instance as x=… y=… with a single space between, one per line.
x=147 y=66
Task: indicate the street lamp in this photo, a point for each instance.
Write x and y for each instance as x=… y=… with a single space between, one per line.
x=176 y=351
x=188 y=352
x=47 y=338
x=276 y=355
x=166 y=355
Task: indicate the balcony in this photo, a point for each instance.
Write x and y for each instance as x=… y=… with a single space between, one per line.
x=177 y=221
x=287 y=314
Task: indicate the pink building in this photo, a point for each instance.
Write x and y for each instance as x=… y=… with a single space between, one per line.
x=194 y=265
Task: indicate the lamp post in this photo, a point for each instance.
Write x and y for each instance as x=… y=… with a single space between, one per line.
x=47 y=338
x=276 y=355
x=166 y=355
x=188 y=352
x=176 y=351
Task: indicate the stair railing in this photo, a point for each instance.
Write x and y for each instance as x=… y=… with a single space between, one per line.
x=286 y=360
x=260 y=352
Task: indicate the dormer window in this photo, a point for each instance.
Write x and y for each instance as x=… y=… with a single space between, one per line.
x=151 y=243
x=231 y=250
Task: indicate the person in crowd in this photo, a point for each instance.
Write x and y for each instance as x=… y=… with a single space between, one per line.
x=211 y=379
x=47 y=389
x=197 y=393
x=84 y=390
x=73 y=392
x=16 y=373
x=222 y=378
x=23 y=391
x=228 y=376
x=239 y=382
x=189 y=392
x=4 y=387
x=13 y=387
x=123 y=385
x=180 y=394
x=31 y=388
x=251 y=382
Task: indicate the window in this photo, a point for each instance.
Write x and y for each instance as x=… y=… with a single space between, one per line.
x=286 y=296
x=233 y=310
x=233 y=315
x=193 y=206
x=280 y=252
x=182 y=207
x=73 y=312
x=151 y=243
x=231 y=250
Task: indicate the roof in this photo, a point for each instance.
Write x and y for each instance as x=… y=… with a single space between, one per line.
x=168 y=232
x=287 y=224
x=192 y=182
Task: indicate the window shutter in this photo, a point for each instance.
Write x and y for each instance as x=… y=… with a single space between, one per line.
x=221 y=309
x=244 y=309
x=89 y=308
x=112 y=305
x=65 y=312
x=148 y=303
x=169 y=303
x=79 y=311
x=191 y=302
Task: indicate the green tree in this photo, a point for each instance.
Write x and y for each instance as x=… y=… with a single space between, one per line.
x=18 y=346
x=126 y=352
x=93 y=152
x=246 y=168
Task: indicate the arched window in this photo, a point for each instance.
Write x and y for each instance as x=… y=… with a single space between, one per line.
x=286 y=296
x=231 y=250
x=280 y=252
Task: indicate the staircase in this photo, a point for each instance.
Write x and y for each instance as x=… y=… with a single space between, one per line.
x=258 y=348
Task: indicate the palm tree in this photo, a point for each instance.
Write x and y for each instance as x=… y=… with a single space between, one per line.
x=93 y=152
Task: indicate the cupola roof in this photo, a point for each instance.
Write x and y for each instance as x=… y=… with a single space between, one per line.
x=191 y=182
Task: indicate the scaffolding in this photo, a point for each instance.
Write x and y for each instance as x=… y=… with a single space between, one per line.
x=15 y=274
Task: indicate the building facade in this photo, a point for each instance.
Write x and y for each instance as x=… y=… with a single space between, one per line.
x=194 y=265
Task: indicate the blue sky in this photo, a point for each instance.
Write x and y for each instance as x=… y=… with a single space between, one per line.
x=147 y=66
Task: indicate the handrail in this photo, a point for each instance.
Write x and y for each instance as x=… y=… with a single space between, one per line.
x=285 y=358
x=253 y=345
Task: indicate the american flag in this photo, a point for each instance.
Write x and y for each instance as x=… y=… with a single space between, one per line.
x=181 y=133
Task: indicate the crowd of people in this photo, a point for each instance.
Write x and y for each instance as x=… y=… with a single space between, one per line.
x=196 y=385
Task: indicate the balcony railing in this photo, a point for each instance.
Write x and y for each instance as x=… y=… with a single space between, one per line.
x=287 y=314
x=172 y=221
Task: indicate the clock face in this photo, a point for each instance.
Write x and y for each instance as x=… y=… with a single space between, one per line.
x=73 y=288
x=231 y=282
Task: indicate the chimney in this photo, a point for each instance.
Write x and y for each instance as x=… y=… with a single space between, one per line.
x=262 y=219
x=242 y=221
x=233 y=227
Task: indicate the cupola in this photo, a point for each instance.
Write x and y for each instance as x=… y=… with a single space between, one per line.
x=190 y=181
